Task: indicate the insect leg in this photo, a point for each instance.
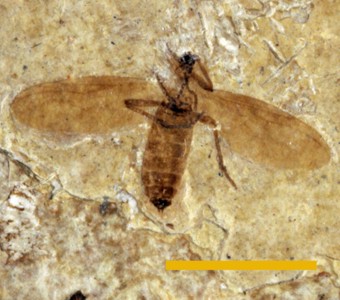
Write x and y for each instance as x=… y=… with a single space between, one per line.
x=163 y=88
x=136 y=104
x=212 y=123
x=166 y=92
x=194 y=104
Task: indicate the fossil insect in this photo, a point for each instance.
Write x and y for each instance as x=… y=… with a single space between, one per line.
x=100 y=105
x=170 y=135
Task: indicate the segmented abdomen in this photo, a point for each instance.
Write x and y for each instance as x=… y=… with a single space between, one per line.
x=165 y=158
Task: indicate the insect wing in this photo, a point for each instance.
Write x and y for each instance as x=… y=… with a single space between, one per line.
x=95 y=105
x=89 y=105
x=264 y=133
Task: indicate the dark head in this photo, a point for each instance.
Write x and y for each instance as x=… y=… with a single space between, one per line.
x=78 y=296
x=187 y=61
x=160 y=203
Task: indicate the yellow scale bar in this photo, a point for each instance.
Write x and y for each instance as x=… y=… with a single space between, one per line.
x=237 y=265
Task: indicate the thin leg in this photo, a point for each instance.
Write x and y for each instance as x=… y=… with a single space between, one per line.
x=195 y=98
x=181 y=90
x=136 y=104
x=163 y=88
x=212 y=123
x=166 y=92
x=142 y=103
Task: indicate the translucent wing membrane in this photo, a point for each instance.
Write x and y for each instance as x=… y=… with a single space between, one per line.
x=264 y=133
x=93 y=105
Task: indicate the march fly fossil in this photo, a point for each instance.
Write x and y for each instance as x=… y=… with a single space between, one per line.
x=170 y=136
x=101 y=105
